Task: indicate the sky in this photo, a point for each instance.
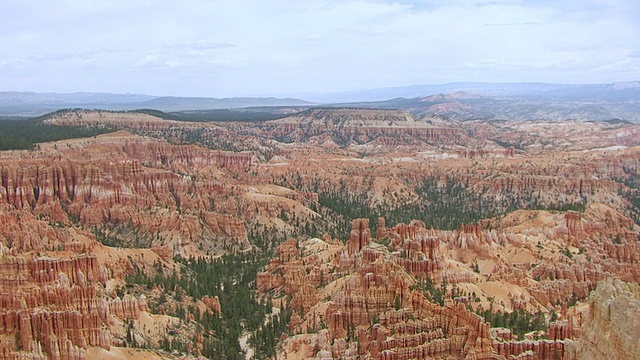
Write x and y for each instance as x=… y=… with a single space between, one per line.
x=220 y=48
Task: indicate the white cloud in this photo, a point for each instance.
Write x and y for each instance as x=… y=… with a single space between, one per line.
x=251 y=47
x=202 y=44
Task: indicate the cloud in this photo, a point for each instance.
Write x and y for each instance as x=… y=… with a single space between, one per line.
x=513 y=23
x=202 y=44
x=247 y=47
x=622 y=65
x=150 y=60
x=367 y=32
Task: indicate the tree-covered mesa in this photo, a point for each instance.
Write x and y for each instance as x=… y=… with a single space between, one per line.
x=23 y=134
x=222 y=115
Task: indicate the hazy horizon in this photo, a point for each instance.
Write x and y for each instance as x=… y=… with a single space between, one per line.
x=220 y=48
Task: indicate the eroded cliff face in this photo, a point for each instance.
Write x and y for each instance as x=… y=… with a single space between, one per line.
x=343 y=126
x=177 y=197
x=611 y=328
x=128 y=120
x=57 y=308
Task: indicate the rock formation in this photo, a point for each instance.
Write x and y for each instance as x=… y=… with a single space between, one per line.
x=537 y=214
x=376 y=306
x=611 y=327
x=136 y=185
x=374 y=291
x=361 y=126
x=360 y=236
x=57 y=307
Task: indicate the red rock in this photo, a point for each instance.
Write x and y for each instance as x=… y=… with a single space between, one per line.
x=373 y=291
x=64 y=313
x=360 y=236
x=212 y=303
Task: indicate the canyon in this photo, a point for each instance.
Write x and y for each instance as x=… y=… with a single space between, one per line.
x=384 y=234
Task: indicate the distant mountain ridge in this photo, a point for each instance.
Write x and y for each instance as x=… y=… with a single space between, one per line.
x=455 y=101
x=525 y=101
x=170 y=103
x=465 y=106
x=612 y=90
x=33 y=104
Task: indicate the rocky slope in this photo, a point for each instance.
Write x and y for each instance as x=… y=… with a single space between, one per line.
x=56 y=308
x=611 y=328
x=358 y=125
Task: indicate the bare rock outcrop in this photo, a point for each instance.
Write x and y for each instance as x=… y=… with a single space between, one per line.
x=360 y=236
x=611 y=328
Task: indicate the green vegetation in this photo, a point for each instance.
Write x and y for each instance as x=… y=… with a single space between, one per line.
x=617 y=240
x=125 y=237
x=266 y=337
x=219 y=115
x=520 y=321
x=24 y=134
x=442 y=203
x=433 y=293
x=632 y=192
x=231 y=278
x=573 y=206
x=507 y=144
x=567 y=253
x=445 y=205
x=343 y=207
